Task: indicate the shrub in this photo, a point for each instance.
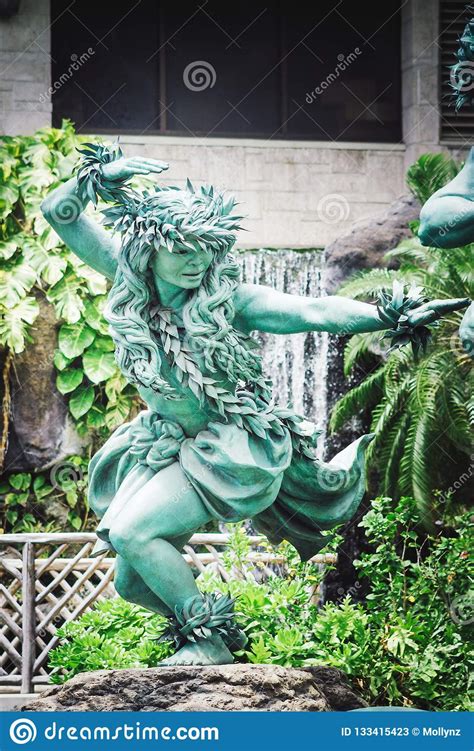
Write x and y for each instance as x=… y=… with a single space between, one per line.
x=402 y=647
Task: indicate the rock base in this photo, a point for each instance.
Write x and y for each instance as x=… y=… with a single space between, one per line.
x=264 y=688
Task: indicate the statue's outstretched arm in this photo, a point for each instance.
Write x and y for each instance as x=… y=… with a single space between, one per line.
x=264 y=309
x=64 y=209
x=447 y=218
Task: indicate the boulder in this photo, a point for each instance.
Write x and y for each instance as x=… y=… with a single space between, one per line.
x=40 y=430
x=364 y=246
x=265 y=688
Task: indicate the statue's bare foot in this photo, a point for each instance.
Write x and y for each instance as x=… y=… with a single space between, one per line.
x=210 y=651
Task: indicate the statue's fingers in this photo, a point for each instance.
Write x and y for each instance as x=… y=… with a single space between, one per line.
x=422 y=317
x=140 y=171
x=448 y=306
x=157 y=163
x=152 y=164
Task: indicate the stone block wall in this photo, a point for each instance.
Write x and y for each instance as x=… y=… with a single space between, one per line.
x=298 y=194
x=25 y=69
x=294 y=193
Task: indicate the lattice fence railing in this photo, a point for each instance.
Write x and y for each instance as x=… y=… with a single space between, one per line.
x=48 y=579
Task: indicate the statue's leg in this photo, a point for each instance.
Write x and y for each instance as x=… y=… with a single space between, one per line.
x=165 y=508
x=130 y=585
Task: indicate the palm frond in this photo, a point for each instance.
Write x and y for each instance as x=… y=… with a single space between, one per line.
x=426 y=435
x=384 y=415
x=358 y=348
x=391 y=454
x=411 y=251
x=360 y=397
x=430 y=173
x=368 y=283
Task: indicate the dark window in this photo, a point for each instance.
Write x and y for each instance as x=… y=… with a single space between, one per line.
x=328 y=70
x=457 y=128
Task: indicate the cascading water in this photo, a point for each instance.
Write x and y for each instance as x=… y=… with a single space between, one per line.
x=296 y=364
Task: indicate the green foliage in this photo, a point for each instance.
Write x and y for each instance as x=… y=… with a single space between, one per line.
x=419 y=608
x=46 y=501
x=402 y=647
x=115 y=634
x=429 y=173
x=421 y=410
x=35 y=262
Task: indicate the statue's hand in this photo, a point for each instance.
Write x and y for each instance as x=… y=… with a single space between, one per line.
x=122 y=169
x=435 y=309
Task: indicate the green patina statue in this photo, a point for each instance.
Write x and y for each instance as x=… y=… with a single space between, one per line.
x=212 y=443
x=447 y=218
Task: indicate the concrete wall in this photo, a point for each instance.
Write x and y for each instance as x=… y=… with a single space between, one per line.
x=297 y=194
x=420 y=78
x=25 y=68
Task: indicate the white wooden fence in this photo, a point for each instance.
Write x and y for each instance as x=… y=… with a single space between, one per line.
x=48 y=579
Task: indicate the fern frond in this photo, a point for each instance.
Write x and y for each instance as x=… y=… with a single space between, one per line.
x=358 y=347
x=360 y=397
x=430 y=173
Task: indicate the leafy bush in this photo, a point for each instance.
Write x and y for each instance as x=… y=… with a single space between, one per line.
x=35 y=264
x=34 y=260
x=422 y=411
x=47 y=501
x=402 y=647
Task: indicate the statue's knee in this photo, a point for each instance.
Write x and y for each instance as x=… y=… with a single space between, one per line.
x=123 y=540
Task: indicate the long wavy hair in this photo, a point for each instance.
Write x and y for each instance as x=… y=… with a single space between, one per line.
x=153 y=223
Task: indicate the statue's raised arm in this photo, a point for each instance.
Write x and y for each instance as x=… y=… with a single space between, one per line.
x=64 y=210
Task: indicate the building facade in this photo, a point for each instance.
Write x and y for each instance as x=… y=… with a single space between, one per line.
x=333 y=110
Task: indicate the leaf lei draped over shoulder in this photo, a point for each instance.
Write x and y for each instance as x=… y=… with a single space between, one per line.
x=250 y=407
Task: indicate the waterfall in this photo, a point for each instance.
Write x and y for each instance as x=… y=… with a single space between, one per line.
x=296 y=364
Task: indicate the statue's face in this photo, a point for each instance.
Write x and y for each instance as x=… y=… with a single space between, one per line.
x=183 y=267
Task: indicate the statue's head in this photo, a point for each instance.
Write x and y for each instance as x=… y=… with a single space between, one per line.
x=178 y=233
x=183 y=236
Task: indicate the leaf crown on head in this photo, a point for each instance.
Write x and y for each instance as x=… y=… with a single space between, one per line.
x=171 y=217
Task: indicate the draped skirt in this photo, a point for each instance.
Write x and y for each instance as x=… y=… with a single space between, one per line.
x=238 y=476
